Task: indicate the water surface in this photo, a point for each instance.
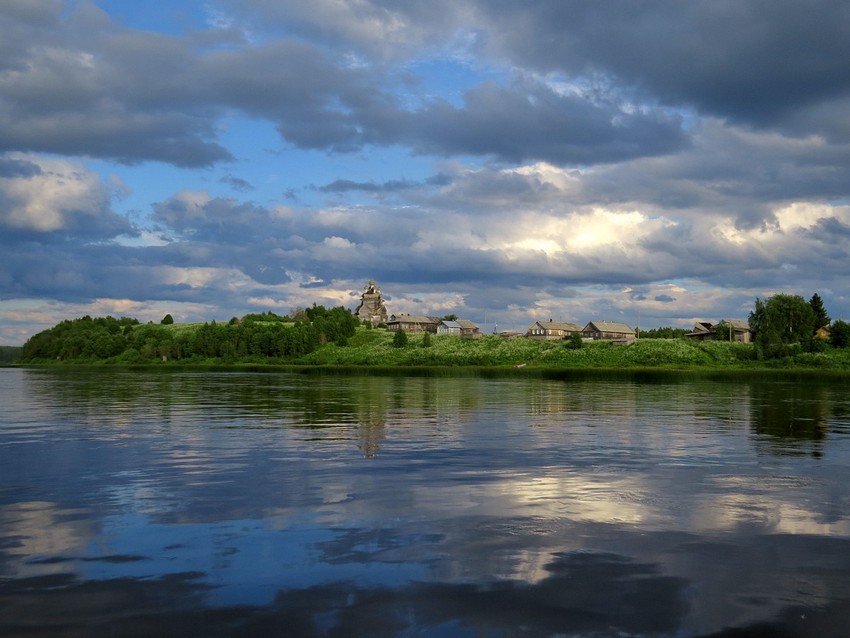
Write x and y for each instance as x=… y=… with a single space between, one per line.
x=232 y=504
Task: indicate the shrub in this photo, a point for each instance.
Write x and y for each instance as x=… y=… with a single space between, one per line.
x=575 y=342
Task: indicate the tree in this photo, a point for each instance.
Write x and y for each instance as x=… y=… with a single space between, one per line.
x=724 y=331
x=575 y=341
x=426 y=340
x=399 y=339
x=821 y=318
x=840 y=334
x=167 y=320
x=779 y=322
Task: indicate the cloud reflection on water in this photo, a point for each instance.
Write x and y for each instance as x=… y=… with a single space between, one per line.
x=445 y=505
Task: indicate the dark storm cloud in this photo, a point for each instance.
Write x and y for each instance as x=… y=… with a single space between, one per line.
x=762 y=62
x=528 y=121
x=10 y=167
x=756 y=62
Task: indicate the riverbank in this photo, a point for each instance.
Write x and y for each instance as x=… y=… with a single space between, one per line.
x=371 y=349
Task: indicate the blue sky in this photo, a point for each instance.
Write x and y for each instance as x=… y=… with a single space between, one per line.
x=662 y=162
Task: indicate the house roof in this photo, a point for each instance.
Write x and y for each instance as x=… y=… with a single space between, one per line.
x=466 y=324
x=451 y=324
x=556 y=325
x=405 y=318
x=608 y=326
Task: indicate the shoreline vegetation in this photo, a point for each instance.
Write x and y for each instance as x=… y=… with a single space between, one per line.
x=333 y=340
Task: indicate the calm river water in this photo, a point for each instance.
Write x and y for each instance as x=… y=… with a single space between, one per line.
x=288 y=504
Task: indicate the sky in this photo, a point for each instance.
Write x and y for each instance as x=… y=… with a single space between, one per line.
x=655 y=162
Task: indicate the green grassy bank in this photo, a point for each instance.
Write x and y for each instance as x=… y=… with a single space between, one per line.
x=375 y=348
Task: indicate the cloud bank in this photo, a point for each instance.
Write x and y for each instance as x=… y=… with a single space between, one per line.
x=669 y=161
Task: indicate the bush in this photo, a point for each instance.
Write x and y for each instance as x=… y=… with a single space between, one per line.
x=575 y=341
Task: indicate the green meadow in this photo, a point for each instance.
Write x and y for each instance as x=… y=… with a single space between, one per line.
x=375 y=348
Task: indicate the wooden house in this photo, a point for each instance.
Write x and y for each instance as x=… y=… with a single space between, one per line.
x=724 y=330
x=461 y=327
x=468 y=329
x=413 y=323
x=609 y=331
x=701 y=332
x=551 y=330
x=448 y=328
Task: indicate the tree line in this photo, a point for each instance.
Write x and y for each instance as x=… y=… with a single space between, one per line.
x=783 y=325
x=125 y=340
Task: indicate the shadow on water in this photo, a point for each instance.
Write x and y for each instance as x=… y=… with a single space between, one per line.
x=584 y=594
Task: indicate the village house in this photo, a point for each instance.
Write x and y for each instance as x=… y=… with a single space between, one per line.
x=724 y=330
x=609 y=331
x=460 y=327
x=823 y=333
x=413 y=323
x=551 y=330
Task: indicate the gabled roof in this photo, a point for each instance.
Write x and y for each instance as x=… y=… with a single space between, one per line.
x=556 y=325
x=466 y=324
x=405 y=318
x=608 y=326
x=451 y=324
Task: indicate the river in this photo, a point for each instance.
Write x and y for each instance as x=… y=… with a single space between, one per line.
x=195 y=503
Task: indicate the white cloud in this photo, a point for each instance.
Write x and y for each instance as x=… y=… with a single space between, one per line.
x=53 y=198
x=804 y=215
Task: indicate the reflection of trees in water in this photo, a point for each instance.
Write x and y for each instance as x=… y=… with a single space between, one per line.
x=793 y=418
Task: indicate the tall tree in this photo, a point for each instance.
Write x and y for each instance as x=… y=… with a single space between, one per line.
x=821 y=318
